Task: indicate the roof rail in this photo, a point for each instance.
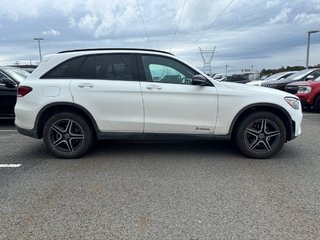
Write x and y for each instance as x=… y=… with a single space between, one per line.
x=111 y=49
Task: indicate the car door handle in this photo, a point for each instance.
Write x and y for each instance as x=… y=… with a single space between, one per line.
x=85 y=85
x=153 y=87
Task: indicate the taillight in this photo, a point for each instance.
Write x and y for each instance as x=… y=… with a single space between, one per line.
x=23 y=90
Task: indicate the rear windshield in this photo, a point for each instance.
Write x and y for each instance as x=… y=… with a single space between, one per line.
x=17 y=74
x=276 y=76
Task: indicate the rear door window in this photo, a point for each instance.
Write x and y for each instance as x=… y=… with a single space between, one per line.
x=109 y=67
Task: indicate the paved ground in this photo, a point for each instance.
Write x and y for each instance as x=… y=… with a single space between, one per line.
x=176 y=190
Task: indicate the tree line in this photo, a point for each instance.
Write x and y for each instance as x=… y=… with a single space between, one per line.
x=284 y=69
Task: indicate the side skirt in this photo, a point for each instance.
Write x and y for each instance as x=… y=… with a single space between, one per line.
x=160 y=136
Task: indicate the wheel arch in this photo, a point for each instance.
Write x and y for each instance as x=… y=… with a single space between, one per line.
x=266 y=107
x=51 y=109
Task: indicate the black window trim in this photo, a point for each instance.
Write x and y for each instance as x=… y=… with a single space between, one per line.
x=136 y=75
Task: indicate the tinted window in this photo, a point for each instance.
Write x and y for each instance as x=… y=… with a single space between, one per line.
x=66 y=69
x=108 y=66
x=166 y=70
x=315 y=74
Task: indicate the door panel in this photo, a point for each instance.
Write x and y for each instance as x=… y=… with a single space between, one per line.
x=171 y=103
x=115 y=105
x=171 y=108
x=108 y=87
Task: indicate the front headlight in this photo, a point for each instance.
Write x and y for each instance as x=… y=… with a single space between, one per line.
x=293 y=102
x=304 y=89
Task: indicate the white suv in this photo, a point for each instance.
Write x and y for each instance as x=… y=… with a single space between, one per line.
x=75 y=97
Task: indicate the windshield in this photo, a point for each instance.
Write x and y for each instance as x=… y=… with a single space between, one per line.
x=275 y=76
x=17 y=74
x=301 y=74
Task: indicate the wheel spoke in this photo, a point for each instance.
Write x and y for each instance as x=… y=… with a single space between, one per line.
x=68 y=127
x=58 y=142
x=252 y=132
x=69 y=145
x=266 y=145
x=80 y=137
x=264 y=126
x=273 y=134
x=254 y=144
x=57 y=129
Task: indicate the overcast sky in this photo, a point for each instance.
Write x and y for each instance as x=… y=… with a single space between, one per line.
x=265 y=34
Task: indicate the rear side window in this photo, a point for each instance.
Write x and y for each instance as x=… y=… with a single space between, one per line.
x=109 y=67
x=66 y=69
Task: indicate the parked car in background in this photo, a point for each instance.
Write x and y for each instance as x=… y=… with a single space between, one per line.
x=308 y=92
x=234 y=78
x=304 y=75
x=273 y=77
x=10 y=77
x=218 y=76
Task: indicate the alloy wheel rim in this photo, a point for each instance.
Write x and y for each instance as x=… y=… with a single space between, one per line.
x=66 y=135
x=262 y=135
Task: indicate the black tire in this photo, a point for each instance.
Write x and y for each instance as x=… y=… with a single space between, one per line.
x=67 y=135
x=260 y=135
x=316 y=105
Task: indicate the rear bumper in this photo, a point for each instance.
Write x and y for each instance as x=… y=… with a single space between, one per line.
x=28 y=132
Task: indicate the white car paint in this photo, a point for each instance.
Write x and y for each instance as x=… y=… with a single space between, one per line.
x=119 y=106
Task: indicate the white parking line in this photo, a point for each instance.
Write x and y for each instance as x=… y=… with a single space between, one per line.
x=10 y=165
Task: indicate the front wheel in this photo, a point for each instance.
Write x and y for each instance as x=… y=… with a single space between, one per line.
x=316 y=106
x=67 y=135
x=260 y=135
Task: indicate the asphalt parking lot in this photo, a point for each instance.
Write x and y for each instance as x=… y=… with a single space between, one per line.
x=158 y=190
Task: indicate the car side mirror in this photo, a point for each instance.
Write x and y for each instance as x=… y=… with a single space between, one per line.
x=309 y=77
x=199 y=80
x=8 y=83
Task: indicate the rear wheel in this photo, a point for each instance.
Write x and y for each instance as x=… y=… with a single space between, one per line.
x=261 y=135
x=67 y=135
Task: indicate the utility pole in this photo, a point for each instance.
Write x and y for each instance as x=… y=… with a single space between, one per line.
x=227 y=70
x=39 y=39
x=207 y=56
x=308 y=46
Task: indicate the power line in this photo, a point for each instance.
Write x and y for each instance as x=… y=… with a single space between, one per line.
x=214 y=21
x=144 y=25
x=175 y=34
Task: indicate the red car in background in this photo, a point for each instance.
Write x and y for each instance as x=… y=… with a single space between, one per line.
x=308 y=92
